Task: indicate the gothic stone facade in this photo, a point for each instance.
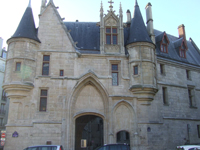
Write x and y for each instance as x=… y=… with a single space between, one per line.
x=147 y=87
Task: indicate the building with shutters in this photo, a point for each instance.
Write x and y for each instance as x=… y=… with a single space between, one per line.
x=84 y=84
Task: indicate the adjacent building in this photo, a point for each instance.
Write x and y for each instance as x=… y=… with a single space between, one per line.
x=4 y=102
x=85 y=84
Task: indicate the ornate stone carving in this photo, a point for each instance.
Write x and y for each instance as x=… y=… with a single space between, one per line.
x=112 y=48
x=111 y=22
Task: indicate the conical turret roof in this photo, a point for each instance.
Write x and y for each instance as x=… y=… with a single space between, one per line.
x=26 y=27
x=138 y=31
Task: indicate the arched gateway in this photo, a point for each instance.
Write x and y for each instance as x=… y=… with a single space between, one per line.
x=88 y=132
x=88 y=112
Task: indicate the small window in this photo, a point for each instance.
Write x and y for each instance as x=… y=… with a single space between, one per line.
x=182 y=53
x=61 y=72
x=188 y=74
x=135 y=70
x=18 y=66
x=162 y=69
x=43 y=100
x=115 y=74
x=45 y=66
x=164 y=94
x=191 y=97
x=164 y=48
x=182 y=50
x=164 y=44
x=198 y=130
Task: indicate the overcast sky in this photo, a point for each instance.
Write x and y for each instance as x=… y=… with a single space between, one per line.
x=167 y=14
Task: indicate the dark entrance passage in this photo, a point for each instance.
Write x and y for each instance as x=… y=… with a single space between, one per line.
x=88 y=132
x=123 y=137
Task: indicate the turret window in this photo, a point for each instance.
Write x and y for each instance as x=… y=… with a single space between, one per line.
x=45 y=66
x=111 y=36
x=18 y=66
x=135 y=70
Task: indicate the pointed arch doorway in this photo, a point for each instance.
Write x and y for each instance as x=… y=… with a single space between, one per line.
x=88 y=132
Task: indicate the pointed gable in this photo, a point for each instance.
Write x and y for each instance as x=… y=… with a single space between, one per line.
x=138 y=31
x=26 y=28
x=52 y=31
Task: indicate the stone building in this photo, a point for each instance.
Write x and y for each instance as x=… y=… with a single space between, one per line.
x=83 y=84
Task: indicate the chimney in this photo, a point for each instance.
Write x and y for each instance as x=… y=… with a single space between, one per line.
x=128 y=13
x=181 y=31
x=150 y=22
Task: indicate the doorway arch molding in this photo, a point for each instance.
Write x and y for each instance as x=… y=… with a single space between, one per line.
x=88 y=79
x=133 y=124
x=88 y=113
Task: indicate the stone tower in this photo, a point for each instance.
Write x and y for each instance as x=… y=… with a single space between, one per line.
x=141 y=59
x=21 y=62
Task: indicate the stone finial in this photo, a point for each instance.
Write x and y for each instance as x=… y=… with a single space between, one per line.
x=136 y=3
x=29 y=5
x=120 y=10
x=101 y=9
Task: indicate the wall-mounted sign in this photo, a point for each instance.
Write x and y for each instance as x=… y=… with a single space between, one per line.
x=83 y=143
x=2 y=143
x=15 y=134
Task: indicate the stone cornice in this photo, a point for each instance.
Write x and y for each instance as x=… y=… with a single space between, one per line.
x=178 y=64
x=17 y=90
x=146 y=44
x=25 y=58
x=176 y=118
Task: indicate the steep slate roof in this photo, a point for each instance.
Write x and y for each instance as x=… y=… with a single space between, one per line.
x=192 y=54
x=138 y=31
x=86 y=34
x=26 y=28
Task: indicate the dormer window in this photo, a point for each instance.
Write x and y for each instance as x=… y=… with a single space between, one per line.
x=111 y=35
x=182 y=50
x=164 y=44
